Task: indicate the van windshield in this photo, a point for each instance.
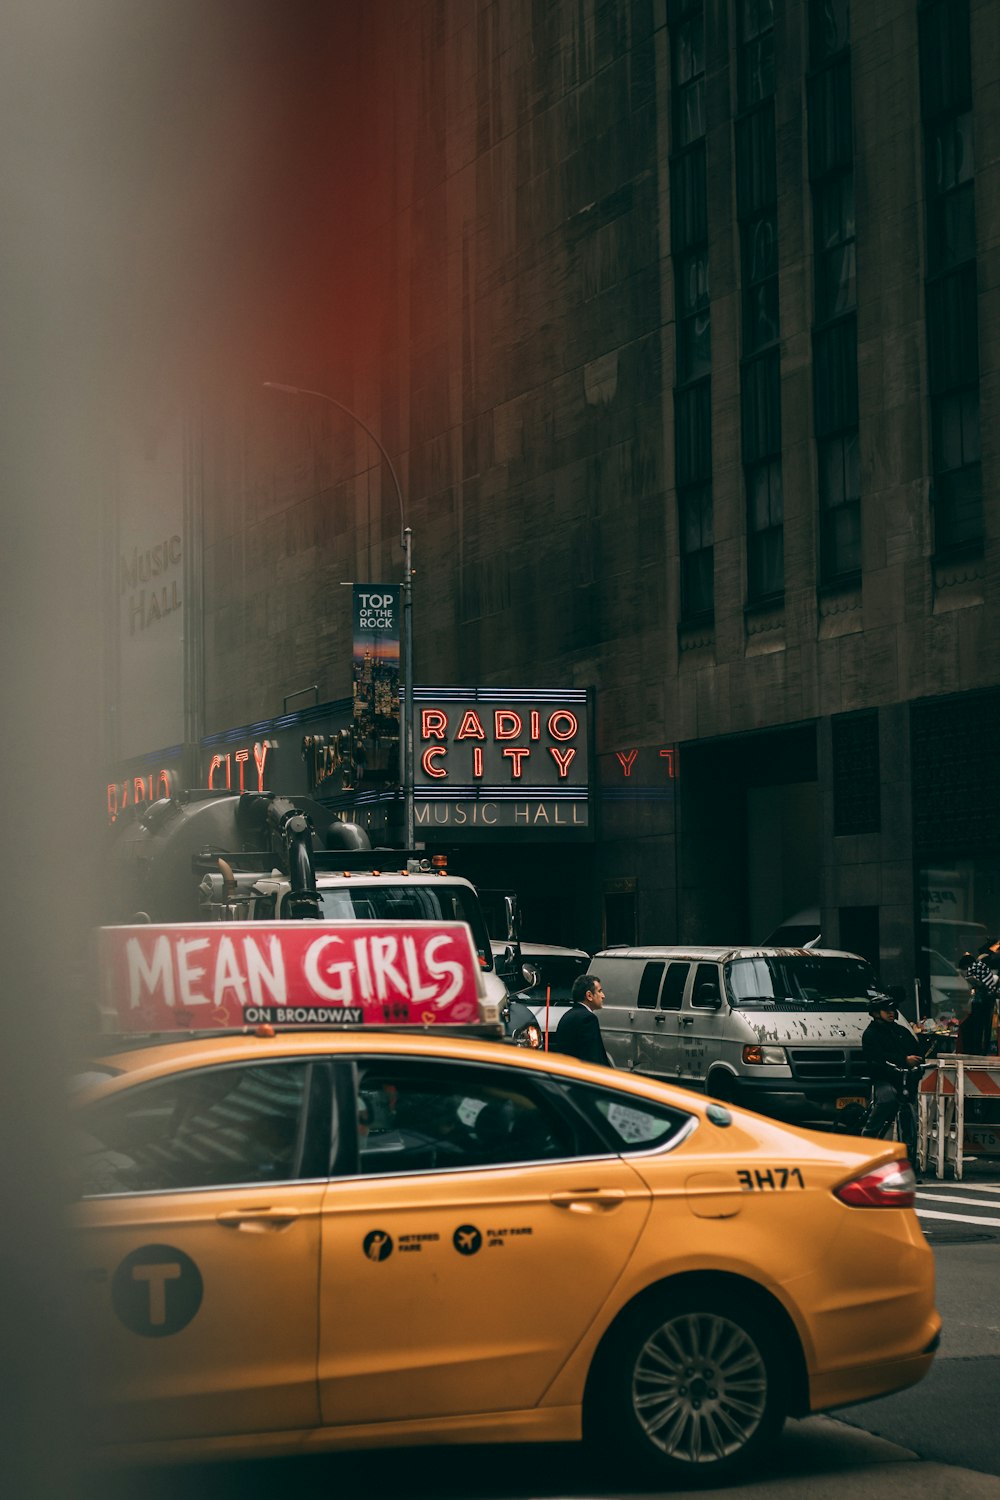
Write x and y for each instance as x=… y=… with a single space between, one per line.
x=800 y=981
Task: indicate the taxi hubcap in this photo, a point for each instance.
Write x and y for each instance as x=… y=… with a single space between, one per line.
x=699 y=1387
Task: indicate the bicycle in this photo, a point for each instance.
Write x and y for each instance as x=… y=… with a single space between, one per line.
x=904 y=1122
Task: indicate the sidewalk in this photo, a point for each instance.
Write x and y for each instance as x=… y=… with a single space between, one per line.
x=822 y=1458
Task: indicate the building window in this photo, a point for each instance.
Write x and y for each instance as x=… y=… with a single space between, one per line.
x=765 y=533
x=829 y=29
x=689 y=247
x=835 y=368
x=756 y=175
x=694 y=325
x=688 y=218
x=833 y=216
x=756 y=54
x=693 y=429
x=760 y=282
x=951 y=291
x=840 y=508
x=835 y=340
x=760 y=374
x=761 y=421
x=687 y=67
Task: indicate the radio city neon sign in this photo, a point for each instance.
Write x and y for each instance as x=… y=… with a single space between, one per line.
x=627 y=758
x=136 y=791
x=221 y=767
x=500 y=729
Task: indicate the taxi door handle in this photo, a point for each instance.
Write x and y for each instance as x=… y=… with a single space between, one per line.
x=660 y=1020
x=589 y=1200
x=257 y=1220
x=687 y=1020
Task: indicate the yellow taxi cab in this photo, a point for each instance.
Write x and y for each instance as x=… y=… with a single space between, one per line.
x=292 y=1240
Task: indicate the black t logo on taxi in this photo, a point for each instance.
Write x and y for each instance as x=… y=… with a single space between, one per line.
x=467 y=1239
x=156 y=1290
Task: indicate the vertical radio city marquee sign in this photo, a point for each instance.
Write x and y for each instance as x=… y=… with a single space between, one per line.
x=500 y=758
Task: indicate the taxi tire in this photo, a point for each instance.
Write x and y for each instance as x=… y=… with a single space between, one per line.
x=637 y=1348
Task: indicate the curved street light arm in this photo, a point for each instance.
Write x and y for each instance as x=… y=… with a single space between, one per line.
x=295 y=390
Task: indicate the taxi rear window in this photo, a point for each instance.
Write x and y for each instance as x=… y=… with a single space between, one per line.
x=628 y=1123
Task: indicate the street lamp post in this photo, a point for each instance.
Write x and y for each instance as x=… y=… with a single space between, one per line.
x=406 y=542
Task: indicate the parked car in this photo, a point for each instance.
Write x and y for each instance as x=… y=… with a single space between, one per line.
x=547 y=976
x=292 y=1241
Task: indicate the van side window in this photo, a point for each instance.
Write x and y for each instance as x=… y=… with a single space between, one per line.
x=673 y=989
x=705 y=994
x=649 y=986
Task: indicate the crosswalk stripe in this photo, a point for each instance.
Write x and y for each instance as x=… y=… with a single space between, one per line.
x=953 y=1198
x=929 y=1213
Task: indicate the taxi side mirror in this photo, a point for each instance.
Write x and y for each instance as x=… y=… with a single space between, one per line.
x=708 y=997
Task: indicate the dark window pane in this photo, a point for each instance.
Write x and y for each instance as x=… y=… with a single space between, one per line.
x=687 y=42
x=760 y=316
x=697 y=584
x=945 y=59
x=626 y=1122
x=761 y=407
x=834 y=200
x=952 y=330
x=956 y=430
x=210 y=1127
x=756 y=182
x=673 y=990
x=765 y=556
x=836 y=284
x=694 y=346
x=951 y=228
x=958 y=508
x=829 y=28
x=696 y=518
x=835 y=367
x=694 y=340
x=840 y=507
x=950 y=156
x=427 y=1117
x=693 y=433
x=688 y=223
x=765 y=544
x=831 y=146
x=649 y=986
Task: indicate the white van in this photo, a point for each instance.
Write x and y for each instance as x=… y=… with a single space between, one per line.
x=776 y=1029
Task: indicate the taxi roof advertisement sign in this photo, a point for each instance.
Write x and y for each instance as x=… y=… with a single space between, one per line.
x=199 y=976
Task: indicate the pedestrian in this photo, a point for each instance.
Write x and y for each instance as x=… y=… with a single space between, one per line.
x=975 y=1034
x=578 y=1033
x=890 y=1052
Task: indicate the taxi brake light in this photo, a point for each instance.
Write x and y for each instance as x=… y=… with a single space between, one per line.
x=892 y=1185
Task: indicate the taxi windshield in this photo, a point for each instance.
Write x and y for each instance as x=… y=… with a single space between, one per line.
x=800 y=981
x=407 y=901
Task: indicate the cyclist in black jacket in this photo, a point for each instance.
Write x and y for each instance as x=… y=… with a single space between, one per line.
x=890 y=1053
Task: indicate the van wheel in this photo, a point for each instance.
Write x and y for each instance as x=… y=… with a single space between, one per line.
x=691 y=1392
x=722 y=1086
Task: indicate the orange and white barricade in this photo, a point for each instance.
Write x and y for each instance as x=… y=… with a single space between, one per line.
x=959 y=1113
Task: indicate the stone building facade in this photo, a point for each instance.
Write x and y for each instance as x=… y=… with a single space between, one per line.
x=680 y=320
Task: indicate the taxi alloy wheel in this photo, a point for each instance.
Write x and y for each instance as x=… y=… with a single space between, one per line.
x=696 y=1384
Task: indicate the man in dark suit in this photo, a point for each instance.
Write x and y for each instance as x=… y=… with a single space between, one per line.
x=578 y=1033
